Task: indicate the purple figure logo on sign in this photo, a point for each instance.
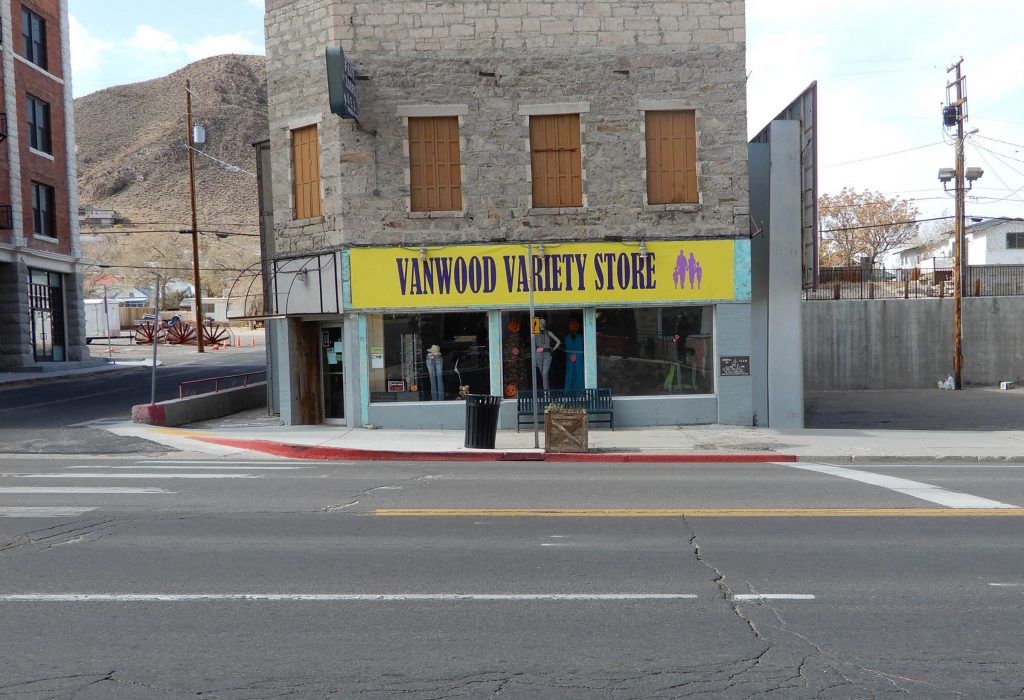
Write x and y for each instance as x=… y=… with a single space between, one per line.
x=695 y=271
x=679 y=274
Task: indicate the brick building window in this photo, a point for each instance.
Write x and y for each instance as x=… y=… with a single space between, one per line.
x=33 y=33
x=38 y=124
x=306 y=173
x=671 y=138
x=1015 y=240
x=435 y=170
x=43 y=210
x=556 y=161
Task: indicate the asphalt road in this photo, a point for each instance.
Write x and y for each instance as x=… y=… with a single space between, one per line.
x=50 y=415
x=560 y=581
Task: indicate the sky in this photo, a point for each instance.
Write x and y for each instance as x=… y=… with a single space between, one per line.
x=881 y=68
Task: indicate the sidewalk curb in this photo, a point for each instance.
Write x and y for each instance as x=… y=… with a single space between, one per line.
x=281 y=449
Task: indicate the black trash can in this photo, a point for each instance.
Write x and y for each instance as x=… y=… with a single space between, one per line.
x=481 y=420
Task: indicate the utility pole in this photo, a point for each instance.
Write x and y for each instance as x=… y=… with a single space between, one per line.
x=197 y=297
x=957 y=109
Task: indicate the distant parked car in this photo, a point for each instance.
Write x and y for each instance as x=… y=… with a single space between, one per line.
x=882 y=276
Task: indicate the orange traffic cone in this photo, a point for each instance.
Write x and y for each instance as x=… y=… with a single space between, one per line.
x=238 y=342
x=253 y=344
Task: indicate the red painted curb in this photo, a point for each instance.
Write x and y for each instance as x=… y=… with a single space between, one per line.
x=281 y=449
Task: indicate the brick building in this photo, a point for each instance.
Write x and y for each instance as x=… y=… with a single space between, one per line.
x=41 y=317
x=606 y=138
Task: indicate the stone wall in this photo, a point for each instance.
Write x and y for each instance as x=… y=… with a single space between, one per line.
x=488 y=62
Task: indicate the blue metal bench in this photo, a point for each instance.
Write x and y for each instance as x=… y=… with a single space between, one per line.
x=596 y=402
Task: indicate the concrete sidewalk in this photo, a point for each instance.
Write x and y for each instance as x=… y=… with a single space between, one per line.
x=705 y=443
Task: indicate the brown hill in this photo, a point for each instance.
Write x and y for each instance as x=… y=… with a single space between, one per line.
x=131 y=143
x=132 y=157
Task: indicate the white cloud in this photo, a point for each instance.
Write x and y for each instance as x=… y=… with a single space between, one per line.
x=152 y=39
x=86 y=48
x=221 y=44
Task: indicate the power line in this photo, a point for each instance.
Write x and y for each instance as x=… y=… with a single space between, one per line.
x=884 y=155
x=889 y=223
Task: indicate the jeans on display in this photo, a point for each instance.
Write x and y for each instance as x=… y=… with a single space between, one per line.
x=544 y=365
x=435 y=366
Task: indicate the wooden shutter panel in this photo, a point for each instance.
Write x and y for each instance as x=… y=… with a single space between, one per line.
x=306 y=172
x=555 y=161
x=435 y=168
x=671 y=157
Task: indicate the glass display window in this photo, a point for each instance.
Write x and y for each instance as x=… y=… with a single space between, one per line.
x=559 y=350
x=428 y=357
x=651 y=351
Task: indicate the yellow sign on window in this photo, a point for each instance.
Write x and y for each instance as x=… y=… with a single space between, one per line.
x=582 y=274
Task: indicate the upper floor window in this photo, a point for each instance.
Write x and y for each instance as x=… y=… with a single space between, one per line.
x=435 y=170
x=33 y=33
x=1015 y=240
x=306 y=173
x=38 y=113
x=43 y=210
x=671 y=138
x=556 y=160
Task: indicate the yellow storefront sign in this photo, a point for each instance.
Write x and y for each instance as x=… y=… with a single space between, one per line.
x=492 y=276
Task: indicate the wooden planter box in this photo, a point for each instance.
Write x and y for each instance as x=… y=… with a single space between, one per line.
x=565 y=432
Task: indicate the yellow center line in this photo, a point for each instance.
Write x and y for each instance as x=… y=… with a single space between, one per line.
x=701 y=512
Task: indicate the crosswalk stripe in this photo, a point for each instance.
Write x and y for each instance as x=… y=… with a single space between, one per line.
x=42 y=511
x=90 y=475
x=82 y=489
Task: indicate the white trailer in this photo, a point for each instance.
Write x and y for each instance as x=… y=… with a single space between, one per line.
x=98 y=324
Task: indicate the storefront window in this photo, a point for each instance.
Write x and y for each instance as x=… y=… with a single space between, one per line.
x=428 y=357
x=559 y=363
x=653 y=351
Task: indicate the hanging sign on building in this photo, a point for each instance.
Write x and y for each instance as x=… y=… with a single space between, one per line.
x=561 y=273
x=341 y=84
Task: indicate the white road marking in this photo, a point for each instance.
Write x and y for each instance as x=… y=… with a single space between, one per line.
x=554 y=544
x=91 y=475
x=198 y=467
x=773 y=596
x=1007 y=585
x=42 y=511
x=916 y=489
x=327 y=597
x=82 y=489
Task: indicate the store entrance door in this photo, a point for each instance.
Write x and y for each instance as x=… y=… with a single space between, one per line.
x=332 y=369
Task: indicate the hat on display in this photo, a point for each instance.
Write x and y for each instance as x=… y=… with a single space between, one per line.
x=434 y=350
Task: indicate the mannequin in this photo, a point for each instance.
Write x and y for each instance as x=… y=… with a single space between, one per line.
x=435 y=370
x=574 y=357
x=543 y=343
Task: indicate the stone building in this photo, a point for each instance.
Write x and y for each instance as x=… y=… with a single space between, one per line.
x=604 y=138
x=41 y=315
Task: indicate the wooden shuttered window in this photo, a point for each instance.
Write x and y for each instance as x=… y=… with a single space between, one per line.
x=556 y=161
x=306 y=173
x=435 y=168
x=671 y=157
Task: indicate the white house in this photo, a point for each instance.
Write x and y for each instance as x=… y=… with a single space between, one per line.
x=989 y=242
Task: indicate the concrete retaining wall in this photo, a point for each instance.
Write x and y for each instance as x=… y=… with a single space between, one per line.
x=908 y=343
x=202 y=407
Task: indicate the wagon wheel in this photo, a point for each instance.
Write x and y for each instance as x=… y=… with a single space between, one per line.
x=181 y=333
x=216 y=334
x=144 y=333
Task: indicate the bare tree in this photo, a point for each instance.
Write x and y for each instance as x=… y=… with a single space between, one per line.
x=861 y=227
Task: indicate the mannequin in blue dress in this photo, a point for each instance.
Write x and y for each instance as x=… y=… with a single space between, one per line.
x=574 y=357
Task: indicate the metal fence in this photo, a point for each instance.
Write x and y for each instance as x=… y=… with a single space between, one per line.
x=915 y=283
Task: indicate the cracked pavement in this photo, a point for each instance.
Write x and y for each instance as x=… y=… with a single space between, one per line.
x=902 y=608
